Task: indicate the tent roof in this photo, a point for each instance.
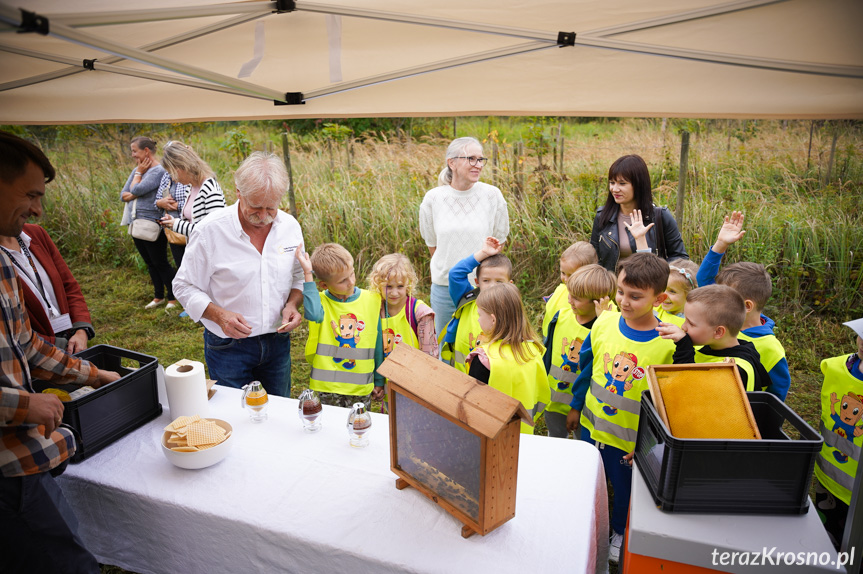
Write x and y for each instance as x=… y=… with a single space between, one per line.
x=684 y=58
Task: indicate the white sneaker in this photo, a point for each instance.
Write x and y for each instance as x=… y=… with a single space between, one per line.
x=614 y=547
x=171 y=305
x=154 y=303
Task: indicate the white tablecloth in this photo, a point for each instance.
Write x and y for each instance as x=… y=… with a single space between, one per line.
x=288 y=501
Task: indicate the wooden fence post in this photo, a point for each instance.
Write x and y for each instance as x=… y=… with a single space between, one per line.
x=286 y=152
x=809 y=151
x=829 y=172
x=684 y=167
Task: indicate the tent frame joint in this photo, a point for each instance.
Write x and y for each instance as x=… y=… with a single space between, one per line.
x=291 y=99
x=283 y=6
x=33 y=22
x=565 y=39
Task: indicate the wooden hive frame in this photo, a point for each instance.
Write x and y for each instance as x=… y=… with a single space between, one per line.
x=485 y=412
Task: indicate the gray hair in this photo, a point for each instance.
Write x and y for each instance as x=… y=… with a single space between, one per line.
x=455 y=149
x=262 y=174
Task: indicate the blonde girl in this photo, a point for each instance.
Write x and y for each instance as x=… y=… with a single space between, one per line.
x=403 y=317
x=508 y=355
x=681 y=280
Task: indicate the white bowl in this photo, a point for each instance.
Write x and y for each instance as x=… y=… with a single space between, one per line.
x=202 y=458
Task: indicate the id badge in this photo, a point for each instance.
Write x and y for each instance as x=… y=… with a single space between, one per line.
x=61 y=323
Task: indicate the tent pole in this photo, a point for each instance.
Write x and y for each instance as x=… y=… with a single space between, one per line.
x=79 y=20
x=58 y=30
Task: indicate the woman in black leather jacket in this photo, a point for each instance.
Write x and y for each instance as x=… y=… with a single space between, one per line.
x=628 y=190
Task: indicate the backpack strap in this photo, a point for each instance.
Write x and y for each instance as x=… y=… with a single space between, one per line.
x=660 y=232
x=411 y=312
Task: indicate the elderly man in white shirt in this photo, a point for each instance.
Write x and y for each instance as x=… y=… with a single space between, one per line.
x=241 y=278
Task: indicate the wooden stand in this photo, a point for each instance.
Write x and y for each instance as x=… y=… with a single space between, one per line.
x=453 y=439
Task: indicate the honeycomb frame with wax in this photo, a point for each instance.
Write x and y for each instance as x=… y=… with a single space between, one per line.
x=686 y=398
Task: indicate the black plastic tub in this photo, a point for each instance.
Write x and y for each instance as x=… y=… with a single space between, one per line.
x=112 y=411
x=722 y=476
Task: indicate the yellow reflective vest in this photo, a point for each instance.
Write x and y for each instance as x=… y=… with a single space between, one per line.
x=667 y=317
x=397 y=329
x=841 y=426
x=341 y=348
x=467 y=336
x=613 y=402
x=523 y=381
x=565 y=346
x=558 y=301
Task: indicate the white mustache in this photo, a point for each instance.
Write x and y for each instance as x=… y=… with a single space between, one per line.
x=266 y=220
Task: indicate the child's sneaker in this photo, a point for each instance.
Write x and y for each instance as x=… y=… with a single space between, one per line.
x=614 y=547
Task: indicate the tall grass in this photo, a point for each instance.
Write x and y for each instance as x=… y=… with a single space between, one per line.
x=365 y=193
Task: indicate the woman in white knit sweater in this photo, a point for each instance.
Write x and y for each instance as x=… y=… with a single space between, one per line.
x=457 y=216
x=205 y=195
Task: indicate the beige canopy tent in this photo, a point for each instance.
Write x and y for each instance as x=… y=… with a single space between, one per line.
x=197 y=60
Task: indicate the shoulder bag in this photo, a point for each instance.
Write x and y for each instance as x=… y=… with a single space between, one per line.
x=173 y=236
x=143 y=229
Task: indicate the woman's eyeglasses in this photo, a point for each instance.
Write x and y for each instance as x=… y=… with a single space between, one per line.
x=481 y=161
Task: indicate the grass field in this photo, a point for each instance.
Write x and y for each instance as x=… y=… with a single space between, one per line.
x=363 y=189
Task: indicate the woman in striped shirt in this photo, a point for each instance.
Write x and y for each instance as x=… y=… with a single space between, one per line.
x=205 y=195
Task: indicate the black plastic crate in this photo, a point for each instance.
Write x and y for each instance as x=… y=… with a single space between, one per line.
x=724 y=476
x=114 y=410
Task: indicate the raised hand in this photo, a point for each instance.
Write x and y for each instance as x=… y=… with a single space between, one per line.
x=601 y=305
x=731 y=232
x=491 y=247
x=638 y=230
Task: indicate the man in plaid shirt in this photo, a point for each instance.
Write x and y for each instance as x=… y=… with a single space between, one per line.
x=38 y=531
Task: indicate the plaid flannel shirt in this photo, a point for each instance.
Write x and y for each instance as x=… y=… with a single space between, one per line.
x=24 y=450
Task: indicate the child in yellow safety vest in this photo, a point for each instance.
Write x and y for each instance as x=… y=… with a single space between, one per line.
x=509 y=358
x=842 y=429
x=681 y=280
x=589 y=292
x=345 y=346
x=404 y=318
x=606 y=399
x=574 y=257
x=714 y=317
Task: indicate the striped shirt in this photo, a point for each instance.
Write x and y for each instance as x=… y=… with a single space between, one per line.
x=208 y=200
x=24 y=450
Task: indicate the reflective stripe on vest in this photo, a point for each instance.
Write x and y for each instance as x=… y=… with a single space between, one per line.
x=345 y=377
x=615 y=400
x=603 y=425
x=325 y=350
x=561 y=375
x=843 y=479
x=561 y=397
x=842 y=444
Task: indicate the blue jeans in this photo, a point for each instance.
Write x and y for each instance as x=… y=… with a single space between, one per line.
x=237 y=362
x=442 y=305
x=38 y=528
x=619 y=473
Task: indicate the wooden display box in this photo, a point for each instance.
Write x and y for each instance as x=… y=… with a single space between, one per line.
x=453 y=439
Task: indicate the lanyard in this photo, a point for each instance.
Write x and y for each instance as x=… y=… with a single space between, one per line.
x=38 y=281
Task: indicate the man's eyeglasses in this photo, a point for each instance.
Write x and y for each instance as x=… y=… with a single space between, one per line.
x=474 y=160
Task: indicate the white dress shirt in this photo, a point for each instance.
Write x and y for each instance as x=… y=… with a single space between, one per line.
x=221 y=266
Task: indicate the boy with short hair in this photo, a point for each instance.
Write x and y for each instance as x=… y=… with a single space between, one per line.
x=345 y=346
x=841 y=426
x=575 y=256
x=754 y=284
x=714 y=317
x=588 y=288
x=607 y=393
x=463 y=332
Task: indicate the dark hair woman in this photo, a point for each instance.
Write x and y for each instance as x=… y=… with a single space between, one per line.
x=629 y=202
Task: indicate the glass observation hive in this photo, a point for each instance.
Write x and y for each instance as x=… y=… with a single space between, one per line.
x=453 y=439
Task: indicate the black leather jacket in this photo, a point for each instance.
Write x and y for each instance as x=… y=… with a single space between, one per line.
x=607 y=243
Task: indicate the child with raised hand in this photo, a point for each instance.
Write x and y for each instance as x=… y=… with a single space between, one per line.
x=606 y=396
x=681 y=280
x=754 y=284
x=463 y=331
x=577 y=255
x=842 y=429
x=404 y=318
x=588 y=289
x=714 y=317
x=345 y=346
x=510 y=358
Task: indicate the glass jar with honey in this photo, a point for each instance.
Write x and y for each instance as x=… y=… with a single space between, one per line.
x=256 y=400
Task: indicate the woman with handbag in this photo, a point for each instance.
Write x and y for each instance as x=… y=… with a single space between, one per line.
x=205 y=195
x=140 y=192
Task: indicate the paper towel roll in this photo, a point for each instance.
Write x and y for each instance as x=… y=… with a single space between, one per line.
x=187 y=389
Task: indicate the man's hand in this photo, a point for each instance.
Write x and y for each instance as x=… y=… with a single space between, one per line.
x=572 y=420
x=291 y=318
x=491 y=247
x=378 y=393
x=77 y=342
x=670 y=331
x=627 y=458
x=731 y=232
x=233 y=325
x=45 y=409
x=105 y=377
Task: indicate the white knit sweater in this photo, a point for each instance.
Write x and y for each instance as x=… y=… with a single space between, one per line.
x=457 y=223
